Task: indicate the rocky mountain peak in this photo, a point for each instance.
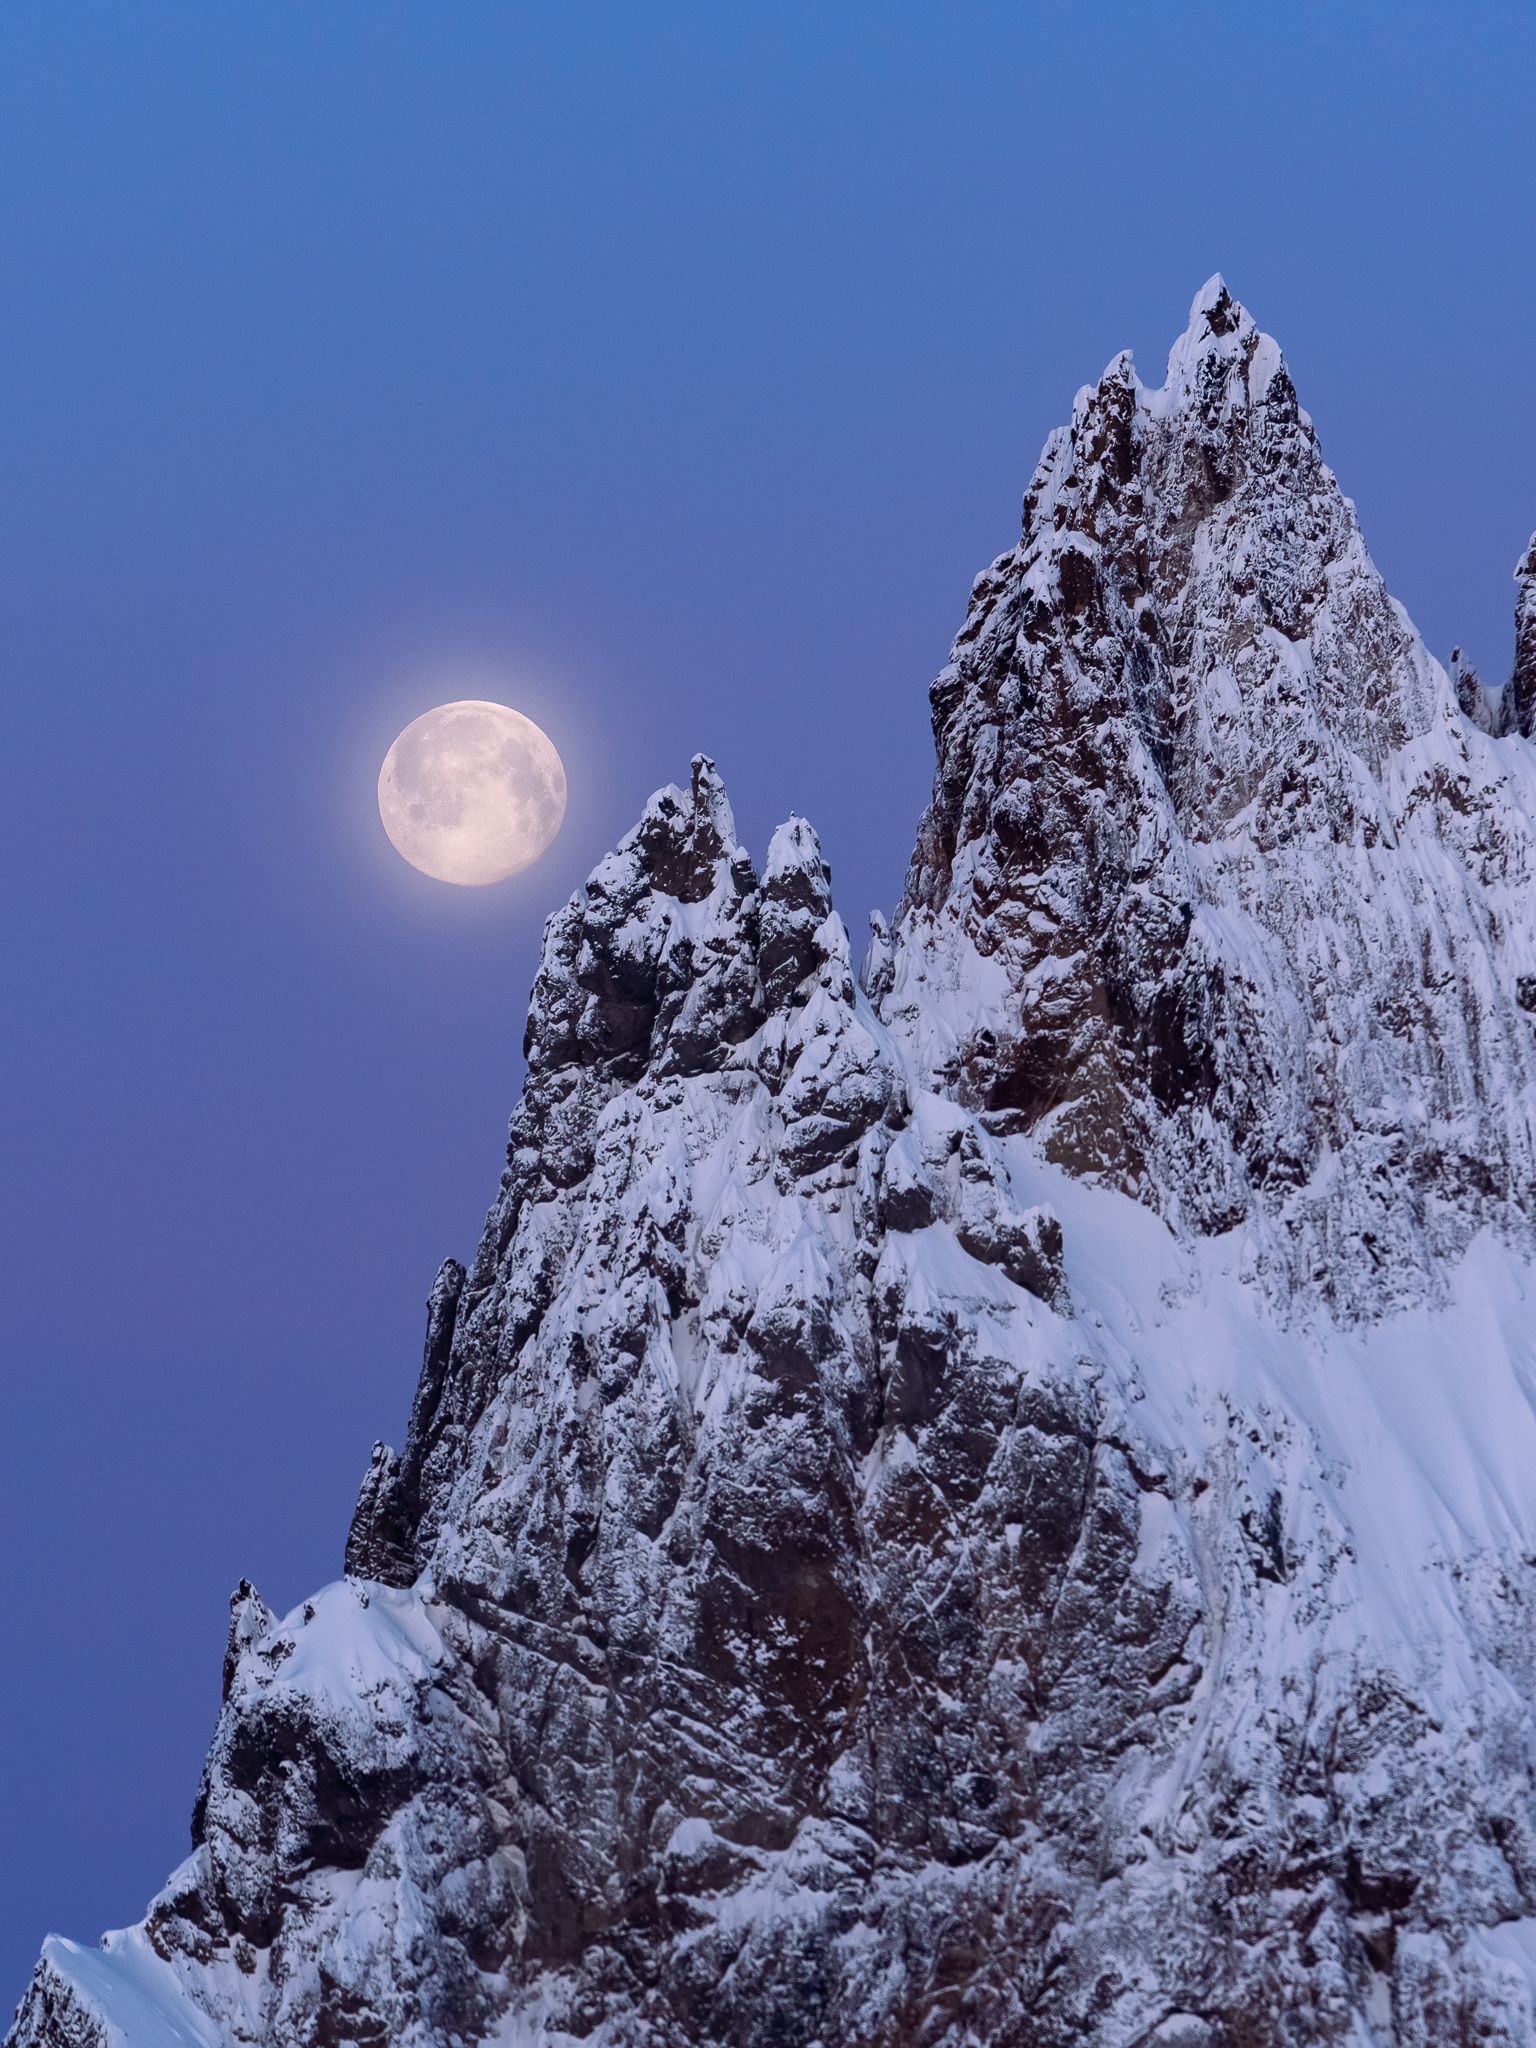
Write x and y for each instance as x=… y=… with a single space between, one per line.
x=1218 y=328
x=1183 y=722
x=990 y=1507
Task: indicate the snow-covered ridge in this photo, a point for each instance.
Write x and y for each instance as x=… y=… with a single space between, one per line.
x=988 y=1503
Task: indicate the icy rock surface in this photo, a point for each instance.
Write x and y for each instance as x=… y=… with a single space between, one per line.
x=994 y=1505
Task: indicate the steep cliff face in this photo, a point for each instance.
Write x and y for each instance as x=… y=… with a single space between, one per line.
x=991 y=1506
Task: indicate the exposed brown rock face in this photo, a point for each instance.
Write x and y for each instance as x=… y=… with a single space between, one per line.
x=988 y=1510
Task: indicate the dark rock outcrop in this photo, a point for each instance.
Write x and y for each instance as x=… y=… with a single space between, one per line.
x=1522 y=684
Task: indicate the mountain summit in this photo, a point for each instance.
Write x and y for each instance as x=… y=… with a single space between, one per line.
x=985 y=1503
x=1219 y=895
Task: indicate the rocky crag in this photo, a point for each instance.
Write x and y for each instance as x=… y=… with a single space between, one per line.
x=989 y=1503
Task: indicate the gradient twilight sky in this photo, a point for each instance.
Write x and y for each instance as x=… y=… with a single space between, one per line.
x=666 y=372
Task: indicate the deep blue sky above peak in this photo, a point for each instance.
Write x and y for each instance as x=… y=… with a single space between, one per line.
x=667 y=372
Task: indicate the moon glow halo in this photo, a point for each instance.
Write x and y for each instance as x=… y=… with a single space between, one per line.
x=471 y=792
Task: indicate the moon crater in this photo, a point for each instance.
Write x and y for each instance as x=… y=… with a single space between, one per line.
x=472 y=792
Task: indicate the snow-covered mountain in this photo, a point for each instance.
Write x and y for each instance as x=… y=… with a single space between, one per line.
x=993 y=1505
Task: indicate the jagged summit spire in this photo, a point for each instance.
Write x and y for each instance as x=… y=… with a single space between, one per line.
x=684 y=835
x=1219 y=326
x=1215 y=306
x=1180 y=702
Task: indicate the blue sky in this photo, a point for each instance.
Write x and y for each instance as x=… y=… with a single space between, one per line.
x=667 y=372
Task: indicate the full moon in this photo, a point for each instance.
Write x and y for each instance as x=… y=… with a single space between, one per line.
x=472 y=792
